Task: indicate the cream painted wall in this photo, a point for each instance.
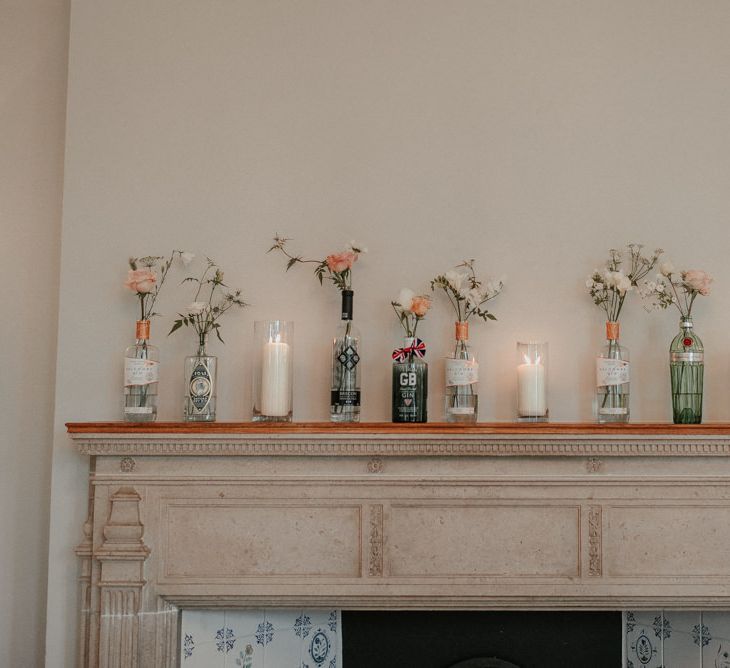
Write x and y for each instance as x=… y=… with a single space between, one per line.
x=532 y=136
x=33 y=52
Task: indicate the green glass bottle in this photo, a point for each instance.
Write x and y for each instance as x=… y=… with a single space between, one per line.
x=687 y=369
x=410 y=386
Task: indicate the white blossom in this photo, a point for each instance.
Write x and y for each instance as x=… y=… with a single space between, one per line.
x=666 y=268
x=405 y=297
x=196 y=308
x=474 y=297
x=187 y=258
x=455 y=279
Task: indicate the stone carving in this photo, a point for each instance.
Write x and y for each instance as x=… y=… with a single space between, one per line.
x=594 y=465
x=375 y=465
x=594 y=540
x=376 y=541
x=127 y=465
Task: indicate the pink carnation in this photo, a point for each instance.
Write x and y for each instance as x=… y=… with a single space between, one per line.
x=420 y=305
x=339 y=262
x=141 y=281
x=697 y=280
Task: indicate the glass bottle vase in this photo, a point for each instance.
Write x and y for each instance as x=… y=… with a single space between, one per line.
x=201 y=383
x=462 y=375
x=612 y=379
x=345 y=385
x=410 y=386
x=141 y=377
x=687 y=369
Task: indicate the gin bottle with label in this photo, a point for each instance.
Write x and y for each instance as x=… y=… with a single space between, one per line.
x=462 y=375
x=612 y=379
x=201 y=372
x=141 y=375
x=345 y=387
x=410 y=383
x=687 y=369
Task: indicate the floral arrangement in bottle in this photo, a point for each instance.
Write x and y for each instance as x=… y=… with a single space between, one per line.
x=145 y=279
x=211 y=301
x=410 y=371
x=468 y=296
x=337 y=267
x=686 y=352
x=608 y=289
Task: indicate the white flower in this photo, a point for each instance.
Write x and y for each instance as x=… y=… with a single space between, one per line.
x=493 y=288
x=622 y=283
x=405 y=297
x=187 y=258
x=589 y=283
x=666 y=268
x=474 y=297
x=455 y=279
x=356 y=247
x=196 y=308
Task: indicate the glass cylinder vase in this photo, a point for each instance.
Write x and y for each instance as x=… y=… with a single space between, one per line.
x=462 y=375
x=141 y=377
x=273 y=371
x=410 y=383
x=687 y=369
x=613 y=375
x=201 y=382
x=532 y=362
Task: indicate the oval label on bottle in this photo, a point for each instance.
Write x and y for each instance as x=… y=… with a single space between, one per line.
x=461 y=372
x=140 y=372
x=611 y=372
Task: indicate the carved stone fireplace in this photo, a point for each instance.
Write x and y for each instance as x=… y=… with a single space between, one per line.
x=381 y=516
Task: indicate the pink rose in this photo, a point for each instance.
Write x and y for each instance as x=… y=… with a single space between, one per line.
x=339 y=262
x=697 y=280
x=420 y=305
x=141 y=280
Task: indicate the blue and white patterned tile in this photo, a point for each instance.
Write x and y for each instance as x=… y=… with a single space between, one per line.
x=245 y=654
x=202 y=625
x=244 y=622
x=201 y=655
x=716 y=639
x=676 y=628
x=643 y=648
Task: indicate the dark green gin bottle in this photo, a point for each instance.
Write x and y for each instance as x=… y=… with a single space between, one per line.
x=410 y=385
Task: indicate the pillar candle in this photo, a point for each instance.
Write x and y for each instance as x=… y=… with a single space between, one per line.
x=276 y=379
x=531 y=395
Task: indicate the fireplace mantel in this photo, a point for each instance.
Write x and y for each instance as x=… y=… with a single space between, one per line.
x=383 y=516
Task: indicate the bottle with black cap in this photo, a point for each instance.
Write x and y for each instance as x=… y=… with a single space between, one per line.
x=345 y=390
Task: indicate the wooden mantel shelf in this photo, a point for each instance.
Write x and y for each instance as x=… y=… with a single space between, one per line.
x=387 y=439
x=447 y=429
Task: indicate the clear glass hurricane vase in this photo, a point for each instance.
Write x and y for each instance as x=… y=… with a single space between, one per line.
x=612 y=379
x=141 y=377
x=462 y=375
x=410 y=387
x=687 y=369
x=201 y=382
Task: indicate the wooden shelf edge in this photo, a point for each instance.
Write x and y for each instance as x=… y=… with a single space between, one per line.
x=485 y=428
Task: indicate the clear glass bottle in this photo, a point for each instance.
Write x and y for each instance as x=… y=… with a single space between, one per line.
x=345 y=388
x=201 y=382
x=141 y=376
x=462 y=375
x=410 y=386
x=612 y=379
x=687 y=369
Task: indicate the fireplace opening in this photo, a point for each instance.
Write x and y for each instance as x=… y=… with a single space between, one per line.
x=442 y=639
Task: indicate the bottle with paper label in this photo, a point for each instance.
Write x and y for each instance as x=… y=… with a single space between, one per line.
x=141 y=376
x=613 y=376
x=462 y=375
x=687 y=369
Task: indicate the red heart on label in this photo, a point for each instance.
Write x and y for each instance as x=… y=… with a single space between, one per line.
x=407 y=402
x=687 y=342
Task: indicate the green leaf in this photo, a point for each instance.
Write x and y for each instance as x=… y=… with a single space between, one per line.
x=218 y=334
x=175 y=327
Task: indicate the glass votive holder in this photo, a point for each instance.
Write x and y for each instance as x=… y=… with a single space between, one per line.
x=273 y=371
x=532 y=359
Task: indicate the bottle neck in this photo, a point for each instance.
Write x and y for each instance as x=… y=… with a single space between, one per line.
x=347 y=297
x=613 y=331
x=461 y=331
x=685 y=323
x=142 y=330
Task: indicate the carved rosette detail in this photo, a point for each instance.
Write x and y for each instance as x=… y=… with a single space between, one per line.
x=594 y=465
x=375 y=465
x=127 y=464
x=376 y=541
x=595 y=531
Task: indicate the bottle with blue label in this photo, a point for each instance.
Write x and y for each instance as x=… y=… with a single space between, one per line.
x=410 y=382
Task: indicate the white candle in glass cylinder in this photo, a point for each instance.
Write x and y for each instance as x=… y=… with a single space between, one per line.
x=276 y=379
x=531 y=395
